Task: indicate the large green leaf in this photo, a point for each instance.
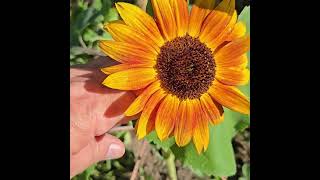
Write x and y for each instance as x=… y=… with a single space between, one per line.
x=219 y=159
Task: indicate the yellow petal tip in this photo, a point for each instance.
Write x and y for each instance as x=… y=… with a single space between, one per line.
x=162 y=138
x=105 y=71
x=129 y=113
x=139 y=136
x=198 y=148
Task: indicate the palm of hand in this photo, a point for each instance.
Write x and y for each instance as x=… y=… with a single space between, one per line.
x=94 y=109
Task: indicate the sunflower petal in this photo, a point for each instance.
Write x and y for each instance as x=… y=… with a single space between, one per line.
x=238 y=31
x=165 y=119
x=165 y=18
x=201 y=130
x=118 y=21
x=152 y=119
x=137 y=18
x=232 y=50
x=180 y=10
x=126 y=53
x=131 y=79
x=122 y=67
x=217 y=20
x=136 y=126
x=211 y=109
x=184 y=126
x=214 y=41
x=230 y=97
x=150 y=106
x=239 y=62
x=233 y=76
x=125 y=33
x=197 y=16
x=139 y=103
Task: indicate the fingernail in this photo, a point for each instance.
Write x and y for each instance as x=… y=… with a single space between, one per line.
x=114 y=151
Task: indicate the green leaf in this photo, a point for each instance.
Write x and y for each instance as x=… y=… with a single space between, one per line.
x=106 y=5
x=152 y=137
x=90 y=36
x=97 y=4
x=112 y=15
x=106 y=36
x=85 y=175
x=149 y=8
x=243 y=123
x=245 y=17
x=219 y=159
x=245 y=172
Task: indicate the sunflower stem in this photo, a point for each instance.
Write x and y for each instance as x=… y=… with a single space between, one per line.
x=171 y=166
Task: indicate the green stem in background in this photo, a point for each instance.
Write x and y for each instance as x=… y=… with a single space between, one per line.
x=171 y=166
x=81 y=41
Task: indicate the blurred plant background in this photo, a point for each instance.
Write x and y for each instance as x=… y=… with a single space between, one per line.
x=157 y=160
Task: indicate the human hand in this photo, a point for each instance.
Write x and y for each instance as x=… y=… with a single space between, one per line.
x=94 y=110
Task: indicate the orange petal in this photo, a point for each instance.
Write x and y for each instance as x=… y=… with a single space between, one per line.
x=230 y=97
x=122 y=67
x=221 y=112
x=214 y=41
x=136 y=126
x=232 y=76
x=137 y=18
x=197 y=16
x=238 y=31
x=165 y=118
x=131 y=79
x=217 y=20
x=150 y=106
x=238 y=62
x=125 y=33
x=232 y=50
x=152 y=119
x=211 y=109
x=165 y=18
x=139 y=103
x=180 y=9
x=126 y=53
x=201 y=130
x=185 y=121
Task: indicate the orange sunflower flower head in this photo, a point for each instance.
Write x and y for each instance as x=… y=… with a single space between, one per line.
x=186 y=66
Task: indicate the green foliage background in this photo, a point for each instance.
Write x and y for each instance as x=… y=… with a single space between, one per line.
x=86 y=29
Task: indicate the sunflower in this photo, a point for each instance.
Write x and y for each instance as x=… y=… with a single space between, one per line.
x=186 y=66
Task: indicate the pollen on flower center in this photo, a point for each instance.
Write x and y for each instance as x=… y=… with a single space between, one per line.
x=186 y=67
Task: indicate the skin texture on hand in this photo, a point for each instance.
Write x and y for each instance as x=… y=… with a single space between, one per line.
x=94 y=110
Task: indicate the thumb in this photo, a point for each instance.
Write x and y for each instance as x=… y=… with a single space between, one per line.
x=104 y=147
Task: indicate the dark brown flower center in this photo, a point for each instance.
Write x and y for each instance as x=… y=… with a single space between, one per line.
x=186 y=67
